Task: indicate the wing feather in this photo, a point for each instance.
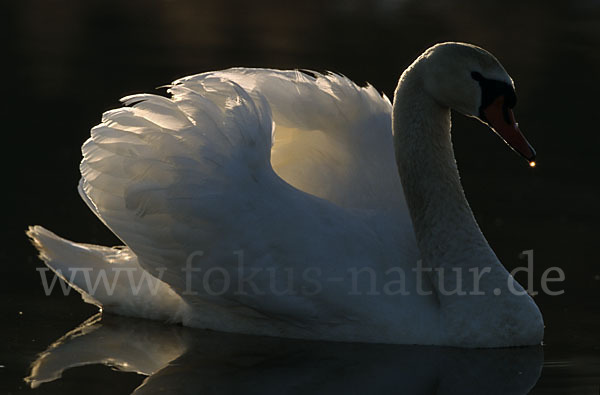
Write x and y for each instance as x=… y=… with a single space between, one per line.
x=332 y=138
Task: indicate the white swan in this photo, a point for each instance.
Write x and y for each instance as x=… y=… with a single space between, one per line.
x=269 y=202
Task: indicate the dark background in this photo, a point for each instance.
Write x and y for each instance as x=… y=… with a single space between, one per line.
x=68 y=61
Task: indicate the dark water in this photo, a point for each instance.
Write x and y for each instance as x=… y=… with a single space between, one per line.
x=70 y=61
x=112 y=354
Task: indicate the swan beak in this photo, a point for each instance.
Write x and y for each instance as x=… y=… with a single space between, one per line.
x=502 y=120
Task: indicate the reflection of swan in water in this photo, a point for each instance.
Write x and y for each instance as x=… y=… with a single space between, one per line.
x=181 y=360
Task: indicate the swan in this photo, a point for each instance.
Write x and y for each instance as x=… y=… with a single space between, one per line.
x=298 y=204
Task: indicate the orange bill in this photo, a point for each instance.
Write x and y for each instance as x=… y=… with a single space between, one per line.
x=502 y=120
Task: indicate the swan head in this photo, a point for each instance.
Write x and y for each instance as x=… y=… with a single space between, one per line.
x=472 y=81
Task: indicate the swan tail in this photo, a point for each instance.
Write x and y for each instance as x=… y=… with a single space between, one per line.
x=110 y=278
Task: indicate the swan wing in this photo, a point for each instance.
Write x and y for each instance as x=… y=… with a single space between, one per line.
x=187 y=183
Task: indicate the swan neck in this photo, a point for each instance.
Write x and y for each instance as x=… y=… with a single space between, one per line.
x=452 y=246
x=443 y=221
